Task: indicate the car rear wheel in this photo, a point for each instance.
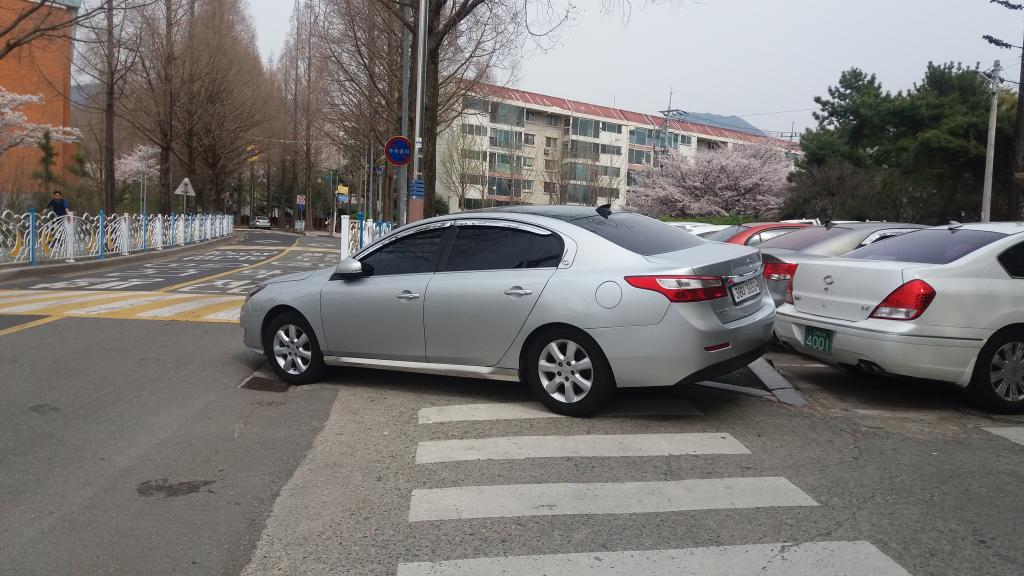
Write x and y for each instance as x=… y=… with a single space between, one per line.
x=998 y=379
x=292 y=350
x=567 y=371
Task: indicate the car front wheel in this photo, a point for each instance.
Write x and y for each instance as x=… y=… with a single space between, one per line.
x=998 y=379
x=292 y=350
x=566 y=370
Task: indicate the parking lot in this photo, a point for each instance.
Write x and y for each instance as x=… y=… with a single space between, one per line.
x=140 y=433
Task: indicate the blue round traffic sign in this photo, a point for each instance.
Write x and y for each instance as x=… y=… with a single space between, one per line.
x=398 y=151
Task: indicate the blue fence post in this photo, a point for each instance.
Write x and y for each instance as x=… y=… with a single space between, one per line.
x=362 y=219
x=32 y=236
x=102 y=236
x=145 y=231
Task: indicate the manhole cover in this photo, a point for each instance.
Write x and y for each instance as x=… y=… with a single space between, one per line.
x=265 y=384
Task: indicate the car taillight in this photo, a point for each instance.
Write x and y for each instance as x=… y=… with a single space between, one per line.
x=907 y=302
x=681 y=288
x=779 y=270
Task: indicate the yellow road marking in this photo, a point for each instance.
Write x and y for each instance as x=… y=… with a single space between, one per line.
x=283 y=253
x=27 y=325
x=138 y=311
x=60 y=308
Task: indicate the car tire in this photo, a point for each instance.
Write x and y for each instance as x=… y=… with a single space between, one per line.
x=292 y=350
x=586 y=384
x=1002 y=355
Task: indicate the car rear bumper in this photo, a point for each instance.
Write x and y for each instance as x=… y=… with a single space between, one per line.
x=941 y=358
x=673 y=351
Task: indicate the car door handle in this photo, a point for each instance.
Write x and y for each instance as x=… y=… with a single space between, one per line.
x=407 y=296
x=517 y=291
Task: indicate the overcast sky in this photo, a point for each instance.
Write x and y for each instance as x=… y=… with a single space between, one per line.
x=743 y=57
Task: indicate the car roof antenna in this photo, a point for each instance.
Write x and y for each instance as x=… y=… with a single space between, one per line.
x=953 y=225
x=605 y=210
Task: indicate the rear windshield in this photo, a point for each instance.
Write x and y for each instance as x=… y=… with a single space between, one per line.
x=800 y=239
x=725 y=233
x=640 y=234
x=934 y=246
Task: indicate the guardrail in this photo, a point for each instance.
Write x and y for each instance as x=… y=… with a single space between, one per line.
x=29 y=238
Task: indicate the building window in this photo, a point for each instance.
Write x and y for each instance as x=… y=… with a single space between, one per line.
x=551 y=120
x=586 y=127
x=610 y=149
x=507 y=114
x=506 y=139
x=474 y=130
x=611 y=127
x=531 y=116
x=527 y=162
x=639 y=156
x=551 y=188
x=630 y=178
x=550 y=164
x=609 y=171
x=550 y=142
x=475 y=179
x=475 y=104
x=529 y=139
x=471 y=154
x=587 y=150
x=527 y=185
x=642 y=136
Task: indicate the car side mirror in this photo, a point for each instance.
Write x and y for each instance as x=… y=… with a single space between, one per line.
x=349 y=268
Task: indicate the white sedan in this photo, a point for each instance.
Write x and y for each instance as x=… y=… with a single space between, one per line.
x=942 y=303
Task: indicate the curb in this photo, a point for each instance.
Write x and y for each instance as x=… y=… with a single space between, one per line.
x=26 y=271
x=776 y=384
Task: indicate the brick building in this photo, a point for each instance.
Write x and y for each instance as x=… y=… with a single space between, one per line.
x=41 y=67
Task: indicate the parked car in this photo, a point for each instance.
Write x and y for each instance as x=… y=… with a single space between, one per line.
x=753 y=234
x=573 y=301
x=261 y=222
x=783 y=254
x=698 y=228
x=942 y=304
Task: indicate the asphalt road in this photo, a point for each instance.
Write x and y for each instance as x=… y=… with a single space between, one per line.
x=127 y=447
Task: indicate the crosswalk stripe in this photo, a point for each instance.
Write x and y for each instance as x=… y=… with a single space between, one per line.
x=59 y=302
x=231 y=314
x=120 y=304
x=24 y=295
x=177 y=306
x=1011 y=433
x=200 y=314
x=591 y=445
x=810 y=559
x=504 y=501
x=528 y=410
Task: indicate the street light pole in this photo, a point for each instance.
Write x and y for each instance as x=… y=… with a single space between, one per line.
x=421 y=55
x=402 y=181
x=986 y=195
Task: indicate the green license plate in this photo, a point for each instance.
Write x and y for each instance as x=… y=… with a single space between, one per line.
x=818 y=339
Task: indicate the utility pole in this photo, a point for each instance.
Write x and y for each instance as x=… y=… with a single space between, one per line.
x=421 y=67
x=402 y=181
x=986 y=195
x=1018 y=155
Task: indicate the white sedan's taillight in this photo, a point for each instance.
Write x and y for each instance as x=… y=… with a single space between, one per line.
x=682 y=288
x=907 y=302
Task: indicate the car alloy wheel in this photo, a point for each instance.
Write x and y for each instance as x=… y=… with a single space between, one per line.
x=1006 y=371
x=566 y=371
x=292 y=349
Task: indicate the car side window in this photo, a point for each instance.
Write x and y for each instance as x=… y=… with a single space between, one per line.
x=501 y=248
x=766 y=235
x=885 y=235
x=1012 y=261
x=415 y=254
x=754 y=239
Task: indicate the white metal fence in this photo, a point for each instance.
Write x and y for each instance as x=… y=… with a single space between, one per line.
x=364 y=232
x=29 y=238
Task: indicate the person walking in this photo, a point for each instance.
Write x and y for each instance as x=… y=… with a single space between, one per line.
x=58 y=205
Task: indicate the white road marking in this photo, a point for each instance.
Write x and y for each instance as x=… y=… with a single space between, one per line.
x=225 y=315
x=504 y=501
x=176 y=309
x=476 y=412
x=1011 y=433
x=527 y=410
x=119 y=305
x=28 y=295
x=56 y=302
x=811 y=559
x=596 y=445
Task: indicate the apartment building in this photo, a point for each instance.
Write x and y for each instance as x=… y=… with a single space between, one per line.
x=515 y=147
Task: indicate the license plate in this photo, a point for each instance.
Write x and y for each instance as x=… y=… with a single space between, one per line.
x=745 y=290
x=818 y=339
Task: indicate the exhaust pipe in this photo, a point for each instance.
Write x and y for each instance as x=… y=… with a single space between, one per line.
x=869 y=367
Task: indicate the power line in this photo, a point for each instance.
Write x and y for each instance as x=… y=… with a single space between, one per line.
x=779 y=112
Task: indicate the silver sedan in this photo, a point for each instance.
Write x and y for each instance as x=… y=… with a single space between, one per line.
x=573 y=301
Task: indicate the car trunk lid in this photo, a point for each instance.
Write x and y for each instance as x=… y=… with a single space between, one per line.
x=845 y=289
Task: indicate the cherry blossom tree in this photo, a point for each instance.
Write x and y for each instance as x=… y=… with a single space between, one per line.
x=748 y=180
x=16 y=130
x=138 y=164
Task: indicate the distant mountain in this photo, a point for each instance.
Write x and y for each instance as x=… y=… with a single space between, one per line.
x=720 y=121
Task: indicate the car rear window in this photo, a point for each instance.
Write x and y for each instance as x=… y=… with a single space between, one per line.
x=933 y=246
x=725 y=233
x=640 y=234
x=800 y=239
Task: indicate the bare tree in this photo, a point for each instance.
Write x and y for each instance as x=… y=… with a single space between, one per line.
x=39 y=20
x=462 y=161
